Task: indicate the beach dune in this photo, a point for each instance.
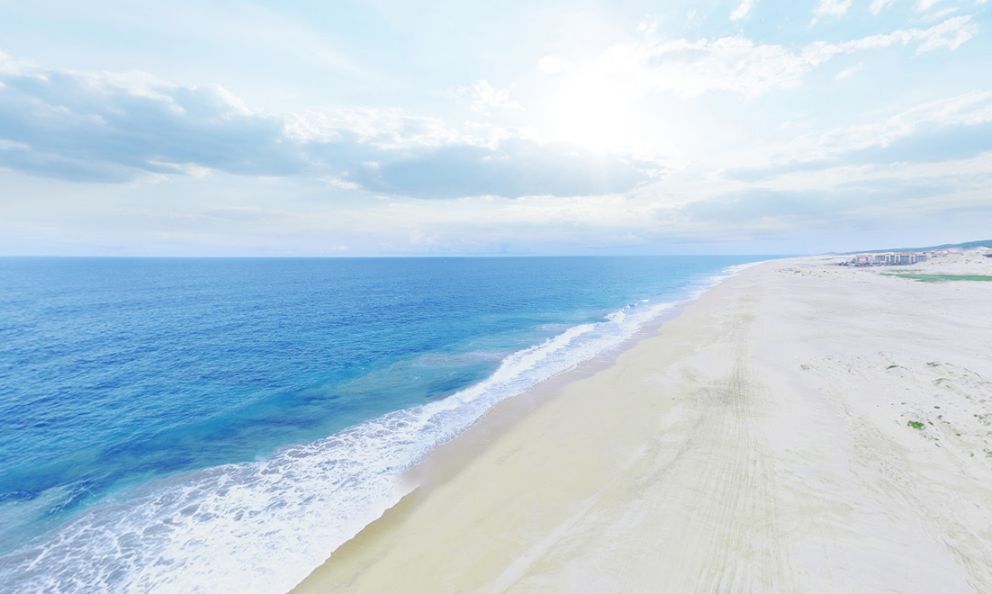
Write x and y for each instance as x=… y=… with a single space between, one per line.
x=802 y=427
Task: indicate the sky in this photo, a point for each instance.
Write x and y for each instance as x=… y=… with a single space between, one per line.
x=390 y=127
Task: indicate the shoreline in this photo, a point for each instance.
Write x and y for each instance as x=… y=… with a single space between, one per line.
x=345 y=479
x=417 y=545
x=446 y=459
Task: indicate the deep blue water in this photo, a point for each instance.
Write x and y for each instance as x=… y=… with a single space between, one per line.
x=123 y=378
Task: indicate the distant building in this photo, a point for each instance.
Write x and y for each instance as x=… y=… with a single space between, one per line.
x=891 y=258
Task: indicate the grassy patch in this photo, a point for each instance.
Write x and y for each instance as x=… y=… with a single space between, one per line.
x=940 y=278
x=915 y=425
x=893 y=366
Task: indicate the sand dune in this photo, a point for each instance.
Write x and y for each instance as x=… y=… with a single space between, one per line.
x=803 y=427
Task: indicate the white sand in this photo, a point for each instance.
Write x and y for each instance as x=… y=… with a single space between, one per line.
x=758 y=443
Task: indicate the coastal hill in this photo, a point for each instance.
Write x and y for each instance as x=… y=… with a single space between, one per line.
x=944 y=246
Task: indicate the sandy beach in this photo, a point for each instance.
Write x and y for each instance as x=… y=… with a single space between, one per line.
x=802 y=427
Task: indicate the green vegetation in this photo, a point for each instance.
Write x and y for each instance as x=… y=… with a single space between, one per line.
x=893 y=366
x=940 y=278
x=915 y=425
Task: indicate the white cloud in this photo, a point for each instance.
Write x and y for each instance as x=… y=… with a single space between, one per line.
x=831 y=8
x=743 y=9
x=738 y=64
x=979 y=166
x=878 y=6
x=939 y=15
x=124 y=127
x=922 y=5
x=383 y=128
x=950 y=34
x=849 y=72
x=486 y=99
x=968 y=110
x=7 y=64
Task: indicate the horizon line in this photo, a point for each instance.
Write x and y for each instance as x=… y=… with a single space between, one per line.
x=393 y=256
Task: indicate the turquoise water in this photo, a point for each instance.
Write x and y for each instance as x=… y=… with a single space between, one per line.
x=159 y=414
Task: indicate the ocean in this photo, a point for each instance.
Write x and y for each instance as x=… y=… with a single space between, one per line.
x=185 y=425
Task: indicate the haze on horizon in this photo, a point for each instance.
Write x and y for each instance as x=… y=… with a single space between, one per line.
x=383 y=128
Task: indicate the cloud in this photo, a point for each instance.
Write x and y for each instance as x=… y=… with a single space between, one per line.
x=512 y=169
x=877 y=6
x=756 y=204
x=832 y=8
x=485 y=98
x=392 y=129
x=825 y=207
x=743 y=9
x=849 y=72
x=738 y=64
x=114 y=128
x=94 y=127
x=930 y=143
x=955 y=128
x=965 y=110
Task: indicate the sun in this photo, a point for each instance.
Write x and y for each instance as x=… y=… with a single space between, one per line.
x=590 y=109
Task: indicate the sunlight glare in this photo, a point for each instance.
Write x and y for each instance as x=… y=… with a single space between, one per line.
x=592 y=110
